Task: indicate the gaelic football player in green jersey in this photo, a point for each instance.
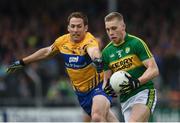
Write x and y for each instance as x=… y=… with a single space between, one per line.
x=130 y=53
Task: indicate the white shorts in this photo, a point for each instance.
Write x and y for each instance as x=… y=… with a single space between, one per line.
x=147 y=97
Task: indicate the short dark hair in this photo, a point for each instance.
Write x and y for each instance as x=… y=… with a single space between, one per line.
x=113 y=15
x=78 y=15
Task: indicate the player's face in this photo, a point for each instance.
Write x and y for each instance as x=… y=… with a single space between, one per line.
x=115 y=30
x=77 y=29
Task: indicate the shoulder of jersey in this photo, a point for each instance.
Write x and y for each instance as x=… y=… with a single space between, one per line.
x=108 y=45
x=63 y=37
x=90 y=36
x=135 y=38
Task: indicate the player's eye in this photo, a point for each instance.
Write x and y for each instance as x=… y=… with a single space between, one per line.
x=72 y=26
x=76 y=26
x=107 y=29
x=114 y=28
x=79 y=26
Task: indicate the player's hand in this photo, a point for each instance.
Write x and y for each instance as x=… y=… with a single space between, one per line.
x=17 y=65
x=130 y=85
x=98 y=63
x=133 y=82
x=109 y=90
x=125 y=89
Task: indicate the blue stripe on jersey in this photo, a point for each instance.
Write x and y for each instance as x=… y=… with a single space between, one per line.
x=76 y=61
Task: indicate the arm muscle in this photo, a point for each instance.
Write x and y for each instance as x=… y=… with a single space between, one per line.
x=151 y=71
x=39 y=55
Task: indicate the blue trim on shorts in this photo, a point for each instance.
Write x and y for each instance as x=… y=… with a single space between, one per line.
x=85 y=99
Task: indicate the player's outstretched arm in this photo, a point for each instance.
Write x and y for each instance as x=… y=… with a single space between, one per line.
x=38 y=55
x=95 y=55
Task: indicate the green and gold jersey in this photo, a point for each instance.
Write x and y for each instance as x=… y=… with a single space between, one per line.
x=128 y=56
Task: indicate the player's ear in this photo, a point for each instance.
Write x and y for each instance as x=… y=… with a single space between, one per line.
x=124 y=25
x=86 y=28
x=68 y=28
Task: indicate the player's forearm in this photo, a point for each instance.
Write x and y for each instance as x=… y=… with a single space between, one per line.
x=151 y=71
x=37 y=56
x=104 y=83
x=107 y=75
x=94 y=52
x=149 y=74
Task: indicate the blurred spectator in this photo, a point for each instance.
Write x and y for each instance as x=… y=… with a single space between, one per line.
x=60 y=89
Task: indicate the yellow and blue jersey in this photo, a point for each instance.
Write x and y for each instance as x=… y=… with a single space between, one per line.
x=77 y=61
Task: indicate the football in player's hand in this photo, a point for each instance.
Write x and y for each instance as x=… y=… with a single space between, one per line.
x=118 y=80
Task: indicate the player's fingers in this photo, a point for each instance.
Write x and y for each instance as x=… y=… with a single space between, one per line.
x=127 y=76
x=126 y=88
x=109 y=92
x=15 y=67
x=9 y=70
x=125 y=91
x=12 y=70
x=107 y=87
x=114 y=95
x=122 y=86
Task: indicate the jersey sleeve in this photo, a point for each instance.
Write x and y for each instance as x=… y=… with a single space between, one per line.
x=56 y=44
x=142 y=50
x=105 y=61
x=92 y=43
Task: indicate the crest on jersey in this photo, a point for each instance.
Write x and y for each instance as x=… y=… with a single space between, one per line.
x=127 y=50
x=73 y=59
x=112 y=55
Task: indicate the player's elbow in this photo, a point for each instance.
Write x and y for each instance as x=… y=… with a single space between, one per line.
x=155 y=69
x=46 y=52
x=156 y=72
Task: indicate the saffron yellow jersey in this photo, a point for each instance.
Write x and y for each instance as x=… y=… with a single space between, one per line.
x=78 y=63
